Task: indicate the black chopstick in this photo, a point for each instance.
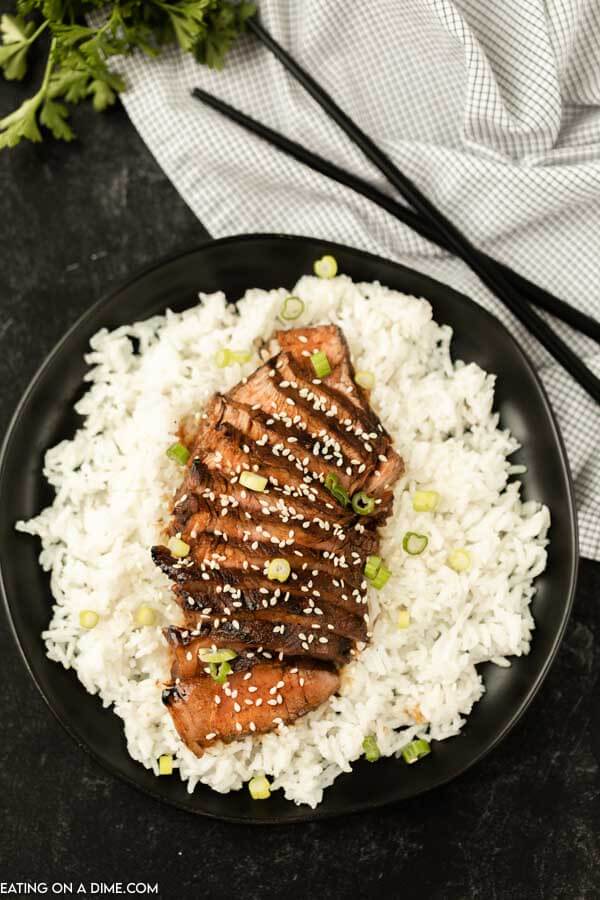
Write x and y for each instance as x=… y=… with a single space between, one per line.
x=489 y=274
x=536 y=294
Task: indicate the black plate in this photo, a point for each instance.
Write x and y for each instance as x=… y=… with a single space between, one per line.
x=45 y=417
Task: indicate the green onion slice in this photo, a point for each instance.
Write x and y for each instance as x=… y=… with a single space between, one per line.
x=372 y=751
x=178 y=453
x=253 y=481
x=178 y=547
x=425 y=501
x=382 y=577
x=332 y=483
x=326 y=267
x=459 y=560
x=219 y=673
x=145 y=615
x=403 y=617
x=362 y=504
x=414 y=543
x=259 y=787
x=279 y=569
x=165 y=764
x=417 y=749
x=320 y=364
x=365 y=379
x=372 y=566
x=88 y=618
x=216 y=656
x=226 y=357
x=292 y=309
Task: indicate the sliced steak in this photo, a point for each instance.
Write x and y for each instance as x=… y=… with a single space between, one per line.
x=272 y=695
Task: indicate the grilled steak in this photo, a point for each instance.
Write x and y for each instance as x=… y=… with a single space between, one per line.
x=287 y=637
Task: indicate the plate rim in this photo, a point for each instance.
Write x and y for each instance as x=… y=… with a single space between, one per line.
x=301 y=813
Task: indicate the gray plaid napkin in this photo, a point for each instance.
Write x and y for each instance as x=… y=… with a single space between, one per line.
x=493 y=109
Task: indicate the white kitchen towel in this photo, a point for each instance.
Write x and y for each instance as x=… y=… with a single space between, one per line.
x=493 y=109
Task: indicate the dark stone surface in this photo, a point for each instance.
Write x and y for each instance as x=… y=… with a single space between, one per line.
x=525 y=823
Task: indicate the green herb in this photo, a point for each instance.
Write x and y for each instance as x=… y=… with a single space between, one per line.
x=78 y=63
x=372 y=751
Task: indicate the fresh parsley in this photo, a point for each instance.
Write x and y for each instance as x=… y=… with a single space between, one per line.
x=78 y=63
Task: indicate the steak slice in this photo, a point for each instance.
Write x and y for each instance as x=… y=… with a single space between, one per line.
x=272 y=695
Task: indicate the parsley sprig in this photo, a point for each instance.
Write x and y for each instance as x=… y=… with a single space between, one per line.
x=78 y=65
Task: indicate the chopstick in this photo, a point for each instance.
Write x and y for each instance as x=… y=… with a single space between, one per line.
x=536 y=294
x=491 y=276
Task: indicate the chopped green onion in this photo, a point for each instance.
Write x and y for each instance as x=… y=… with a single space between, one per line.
x=382 y=577
x=88 y=618
x=226 y=357
x=414 y=543
x=459 y=560
x=372 y=566
x=178 y=453
x=279 y=569
x=417 y=749
x=365 y=379
x=259 y=787
x=219 y=673
x=178 y=547
x=326 y=267
x=253 y=481
x=403 y=617
x=425 y=501
x=216 y=656
x=332 y=483
x=362 y=504
x=320 y=364
x=292 y=309
x=145 y=615
x=165 y=764
x=372 y=751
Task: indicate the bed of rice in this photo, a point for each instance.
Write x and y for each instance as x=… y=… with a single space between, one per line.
x=113 y=485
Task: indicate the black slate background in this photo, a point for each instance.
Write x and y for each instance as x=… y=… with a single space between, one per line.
x=524 y=824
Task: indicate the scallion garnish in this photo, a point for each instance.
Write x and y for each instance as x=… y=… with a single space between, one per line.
x=226 y=357
x=414 y=543
x=220 y=672
x=459 y=560
x=292 y=309
x=145 y=615
x=372 y=566
x=382 y=577
x=403 y=617
x=178 y=547
x=88 y=618
x=362 y=504
x=372 y=751
x=425 y=501
x=253 y=481
x=178 y=453
x=320 y=364
x=365 y=379
x=279 y=569
x=417 y=749
x=224 y=654
x=259 y=787
x=332 y=483
x=326 y=267
x=165 y=764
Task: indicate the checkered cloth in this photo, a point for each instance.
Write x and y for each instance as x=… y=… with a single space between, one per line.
x=493 y=109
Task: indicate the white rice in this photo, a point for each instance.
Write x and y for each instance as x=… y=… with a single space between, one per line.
x=114 y=483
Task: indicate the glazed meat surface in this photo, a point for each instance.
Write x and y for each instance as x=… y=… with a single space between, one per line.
x=286 y=639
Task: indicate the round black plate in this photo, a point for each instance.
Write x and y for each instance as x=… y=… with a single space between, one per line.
x=45 y=416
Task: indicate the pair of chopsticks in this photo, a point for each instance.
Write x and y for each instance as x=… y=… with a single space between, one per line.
x=517 y=293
